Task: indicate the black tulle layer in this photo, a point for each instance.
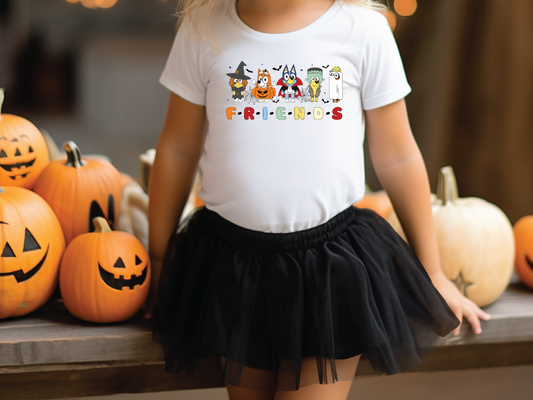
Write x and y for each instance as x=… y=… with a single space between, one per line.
x=266 y=301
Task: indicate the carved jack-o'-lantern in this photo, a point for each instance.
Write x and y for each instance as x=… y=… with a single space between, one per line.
x=105 y=275
x=31 y=246
x=79 y=190
x=523 y=233
x=23 y=151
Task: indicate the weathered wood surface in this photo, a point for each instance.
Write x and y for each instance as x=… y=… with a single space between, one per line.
x=50 y=345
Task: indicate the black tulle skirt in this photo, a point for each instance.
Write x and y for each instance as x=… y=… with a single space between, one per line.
x=267 y=301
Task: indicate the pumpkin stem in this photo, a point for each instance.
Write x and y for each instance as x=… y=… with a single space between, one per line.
x=73 y=154
x=1 y=190
x=447 y=185
x=101 y=225
x=2 y=90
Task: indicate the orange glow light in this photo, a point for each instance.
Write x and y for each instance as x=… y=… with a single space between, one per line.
x=89 y=3
x=106 y=3
x=73 y=1
x=405 y=8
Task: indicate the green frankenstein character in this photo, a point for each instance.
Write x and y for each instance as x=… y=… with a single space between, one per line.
x=314 y=77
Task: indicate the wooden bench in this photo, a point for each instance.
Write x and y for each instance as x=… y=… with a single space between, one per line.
x=51 y=354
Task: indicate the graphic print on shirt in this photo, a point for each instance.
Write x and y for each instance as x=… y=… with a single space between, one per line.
x=335 y=84
x=263 y=89
x=314 y=77
x=290 y=85
x=291 y=88
x=238 y=82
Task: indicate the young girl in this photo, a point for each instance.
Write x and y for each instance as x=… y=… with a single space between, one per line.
x=279 y=278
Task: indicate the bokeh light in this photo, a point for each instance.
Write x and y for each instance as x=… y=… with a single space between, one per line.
x=89 y=3
x=95 y=3
x=405 y=8
x=105 y=3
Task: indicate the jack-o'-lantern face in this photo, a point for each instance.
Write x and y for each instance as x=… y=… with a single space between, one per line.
x=9 y=256
x=262 y=93
x=105 y=275
x=23 y=152
x=127 y=276
x=31 y=246
x=16 y=156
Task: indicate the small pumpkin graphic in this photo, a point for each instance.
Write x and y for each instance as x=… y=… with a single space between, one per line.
x=23 y=151
x=31 y=246
x=105 y=275
x=523 y=233
x=78 y=190
x=475 y=239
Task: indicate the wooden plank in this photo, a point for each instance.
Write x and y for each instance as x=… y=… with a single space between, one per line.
x=99 y=379
x=91 y=381
x=51 y=335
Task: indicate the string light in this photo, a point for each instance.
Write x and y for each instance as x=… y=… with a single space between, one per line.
x=405 y=8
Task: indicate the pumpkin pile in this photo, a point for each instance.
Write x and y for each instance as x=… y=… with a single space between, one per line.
x=38 y=227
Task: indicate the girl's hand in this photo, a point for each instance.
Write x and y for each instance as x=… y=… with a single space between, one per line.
x=460 y=305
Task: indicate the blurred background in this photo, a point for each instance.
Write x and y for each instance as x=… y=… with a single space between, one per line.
x=88 y=70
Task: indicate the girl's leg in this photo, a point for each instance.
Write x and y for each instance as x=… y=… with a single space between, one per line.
x=333 y=391
x=239 y=393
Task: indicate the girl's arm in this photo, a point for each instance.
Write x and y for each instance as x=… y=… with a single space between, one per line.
x=401 y=170
x=177 y=153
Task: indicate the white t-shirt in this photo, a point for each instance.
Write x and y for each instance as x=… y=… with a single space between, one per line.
x=284 y=147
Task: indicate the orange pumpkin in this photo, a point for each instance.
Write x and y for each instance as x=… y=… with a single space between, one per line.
x=23 y=151
x=31 y=246
x=105 y=275
x=79 y=190
x=376 y=201
x=198 y=202
x=523 y=234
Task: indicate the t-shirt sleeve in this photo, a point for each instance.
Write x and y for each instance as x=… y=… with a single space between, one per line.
x=183 y=73
x=383 y=79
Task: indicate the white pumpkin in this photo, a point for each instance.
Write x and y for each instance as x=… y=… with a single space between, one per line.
x=475 y=239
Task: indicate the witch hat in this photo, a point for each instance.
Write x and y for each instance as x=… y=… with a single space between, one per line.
x=239 y=72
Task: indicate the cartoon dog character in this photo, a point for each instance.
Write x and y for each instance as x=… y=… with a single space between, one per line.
x=289 y=83
x=238 y=82
x=315 y=78
x=263 y=90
